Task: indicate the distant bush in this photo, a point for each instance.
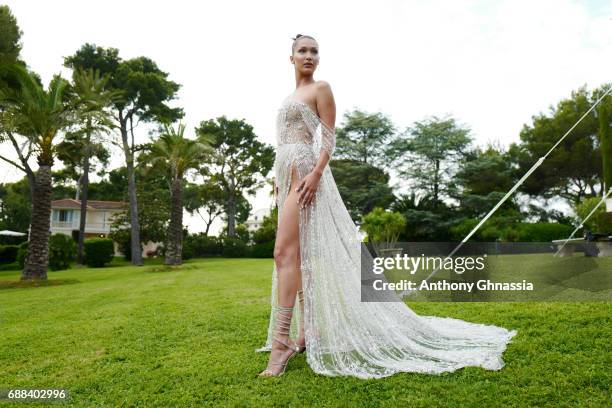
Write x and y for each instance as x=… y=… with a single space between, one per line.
x=234 y=247
x=263 y=250
x=8 y=253
x=203 y=245
x=123 y=238
x=188 y=250
x=22 y=253
x=496 y=228
x=98 y=251
x=541 y=231
x=62 y=251
x=600 y=220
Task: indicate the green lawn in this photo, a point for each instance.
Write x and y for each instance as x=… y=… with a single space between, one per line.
x=147 y=336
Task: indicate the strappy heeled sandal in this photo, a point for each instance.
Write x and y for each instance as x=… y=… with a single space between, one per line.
x=300 y=294
x=283 y=323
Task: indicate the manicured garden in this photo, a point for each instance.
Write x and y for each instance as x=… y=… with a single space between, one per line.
x=185 y=336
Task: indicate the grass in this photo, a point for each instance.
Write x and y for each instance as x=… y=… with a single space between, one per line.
x=158 y=336
x=578 y=278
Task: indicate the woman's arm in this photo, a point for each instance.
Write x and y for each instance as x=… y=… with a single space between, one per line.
x=327 y=112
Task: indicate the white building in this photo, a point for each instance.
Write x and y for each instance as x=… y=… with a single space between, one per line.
x=66 y=215
x=255 y=221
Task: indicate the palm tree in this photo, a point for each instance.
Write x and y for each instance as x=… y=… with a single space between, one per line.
x=91 y=101
x=177 y=155
x=39 y=115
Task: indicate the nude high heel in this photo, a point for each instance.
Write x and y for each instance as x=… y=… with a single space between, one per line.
x=283 y=323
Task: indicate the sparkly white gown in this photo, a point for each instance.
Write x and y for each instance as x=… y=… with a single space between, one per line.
x=345 y=336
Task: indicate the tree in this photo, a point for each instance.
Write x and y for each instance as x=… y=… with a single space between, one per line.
x=363 y=138
x=426 y=220
x=177 y=155
x=153 y=207
x=483 y=178
x=428 y=155
x=209 y=197
x=15 y=206
x=92 y=118
x=267 y=231
x=573 y=168
x=10 y=37
x=604 y=116
x=383 y=228
x=146 y=91
x=362 y=186
x=113 y=189
x=237 y=161
x=38 y=115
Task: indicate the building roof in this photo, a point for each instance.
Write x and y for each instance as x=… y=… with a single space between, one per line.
x=91 y=204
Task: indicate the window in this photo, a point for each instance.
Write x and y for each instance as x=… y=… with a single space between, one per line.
x=62 y=215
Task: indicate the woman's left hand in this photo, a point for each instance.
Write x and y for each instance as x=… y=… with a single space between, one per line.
x=308 y=187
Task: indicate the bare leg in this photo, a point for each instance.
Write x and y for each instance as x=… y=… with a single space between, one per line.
x=285 y=256
x=300 y=341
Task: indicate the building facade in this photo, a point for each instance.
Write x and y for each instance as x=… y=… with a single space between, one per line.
x=66 y=215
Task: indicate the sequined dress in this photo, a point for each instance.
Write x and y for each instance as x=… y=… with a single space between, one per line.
x=344 y=336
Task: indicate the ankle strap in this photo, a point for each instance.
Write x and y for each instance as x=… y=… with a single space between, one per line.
x=283 y=319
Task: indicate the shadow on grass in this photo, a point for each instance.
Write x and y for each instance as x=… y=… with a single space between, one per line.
x=36 y=283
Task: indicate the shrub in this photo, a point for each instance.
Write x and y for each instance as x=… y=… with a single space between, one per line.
x=263 y=250
x=234 y=247
x=267 y=231
x=203 y=245
x=22 y=252
x=123 y=238
x=188 y=250
x=542 y=231
x=98 y=251
x=8 y=253
x=62 y=251
x=383 y=227
x=600 y=220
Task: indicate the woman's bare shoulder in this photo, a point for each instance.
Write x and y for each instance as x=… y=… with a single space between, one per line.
x=323 y=85
x=324 y=94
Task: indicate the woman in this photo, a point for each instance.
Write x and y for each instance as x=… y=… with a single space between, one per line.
x=317 y=260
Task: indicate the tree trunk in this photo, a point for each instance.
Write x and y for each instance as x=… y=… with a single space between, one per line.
x=37 y=259
x=231 y=215
x=134 y=223
x=77 y=194
x=175 y=230
x=436 y=182
x=83 y=218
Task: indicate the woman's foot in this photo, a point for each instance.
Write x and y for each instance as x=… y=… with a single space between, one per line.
x=282 y=351
x=301 y=344
x=282 y=347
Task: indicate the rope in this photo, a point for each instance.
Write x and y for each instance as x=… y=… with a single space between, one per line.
x=512 y=190
x=603 y=199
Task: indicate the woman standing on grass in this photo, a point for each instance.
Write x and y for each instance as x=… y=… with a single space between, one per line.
x=317 y=259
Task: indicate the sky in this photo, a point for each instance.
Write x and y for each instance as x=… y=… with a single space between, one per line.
x=492 y=65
